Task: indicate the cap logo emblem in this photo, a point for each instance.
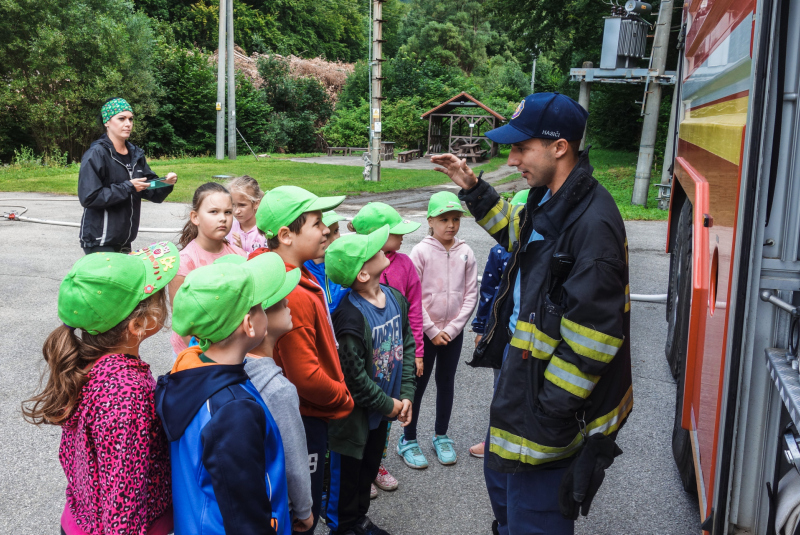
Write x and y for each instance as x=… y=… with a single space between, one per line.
x=518 y=110
x=168 y=262
x=148 y=289
x=551 y=133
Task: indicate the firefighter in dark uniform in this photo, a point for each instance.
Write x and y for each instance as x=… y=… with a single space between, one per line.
x=560 y=327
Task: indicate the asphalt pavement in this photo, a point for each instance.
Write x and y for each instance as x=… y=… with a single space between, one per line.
x=641 y=493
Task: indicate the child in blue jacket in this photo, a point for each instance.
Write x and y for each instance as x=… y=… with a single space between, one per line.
x=228 y=467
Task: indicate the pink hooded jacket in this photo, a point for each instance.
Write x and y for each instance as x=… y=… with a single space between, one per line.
x=449 y=285
x=402 y=276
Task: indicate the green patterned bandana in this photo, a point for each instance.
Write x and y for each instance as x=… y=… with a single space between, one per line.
x=113 y=107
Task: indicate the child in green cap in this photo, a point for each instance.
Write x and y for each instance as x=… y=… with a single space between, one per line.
x=291 y=219
x=449 y=276
x=376 y=349
x=113 y=449
x=401 y=275
x=333 y=292
x=228 y=466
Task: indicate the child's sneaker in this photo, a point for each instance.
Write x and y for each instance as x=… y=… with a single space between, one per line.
x=411 y=454
x=385 y=480
x=366 y=527
x=444 y=449
x=373 y=492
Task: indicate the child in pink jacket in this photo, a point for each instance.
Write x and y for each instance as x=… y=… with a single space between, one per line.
x=449 y=276
x=400 y=275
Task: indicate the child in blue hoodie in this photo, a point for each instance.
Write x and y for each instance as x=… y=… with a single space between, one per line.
x=228 y=467
x=333 y=292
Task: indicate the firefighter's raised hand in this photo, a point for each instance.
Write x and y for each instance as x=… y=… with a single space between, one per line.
x=456 y=168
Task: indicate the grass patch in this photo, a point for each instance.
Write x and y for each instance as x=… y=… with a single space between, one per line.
x=613 y=169
x=272 y=172
x=509 y=178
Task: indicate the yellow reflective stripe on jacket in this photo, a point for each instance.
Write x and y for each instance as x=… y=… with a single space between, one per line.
x=610 y=422
x=627 y=298
x=513 y=228
x=496 y=218
x=515 y=448
x=588 y=342
x=528 y=337
x=569 y=377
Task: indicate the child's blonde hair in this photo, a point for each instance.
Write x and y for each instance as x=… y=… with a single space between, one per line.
x=247 y=186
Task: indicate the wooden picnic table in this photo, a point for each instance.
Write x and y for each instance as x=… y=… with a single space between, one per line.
x=343 y=150
x=468 y=150
x=388 y=150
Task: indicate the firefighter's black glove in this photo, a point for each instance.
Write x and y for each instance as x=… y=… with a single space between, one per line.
x=584 y=476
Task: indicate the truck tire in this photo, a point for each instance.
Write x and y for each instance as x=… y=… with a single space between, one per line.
x=678 y=340
x=680 y=292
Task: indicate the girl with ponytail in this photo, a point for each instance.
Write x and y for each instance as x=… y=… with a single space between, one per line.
x=96 y=387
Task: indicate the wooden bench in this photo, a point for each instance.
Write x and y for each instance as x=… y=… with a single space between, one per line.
x=351 y=150
x=342 y=150
x=405 y=156
x=414 y=153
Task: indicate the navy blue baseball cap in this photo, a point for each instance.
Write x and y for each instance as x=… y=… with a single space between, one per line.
x=544 y=116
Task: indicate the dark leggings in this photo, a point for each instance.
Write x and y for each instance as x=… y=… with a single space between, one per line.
x=446 y=359
x=108 y=249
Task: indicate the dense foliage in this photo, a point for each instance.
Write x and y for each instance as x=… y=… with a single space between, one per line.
x=59 y=60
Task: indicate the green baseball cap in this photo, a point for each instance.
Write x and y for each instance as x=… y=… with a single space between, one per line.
x=292 y=277
x=213 y=300
x=442 y=202
x=374 y=215
x=346 y=256
x=331 y=217
x=282 y=205
x=102 y=289
x=520 y=197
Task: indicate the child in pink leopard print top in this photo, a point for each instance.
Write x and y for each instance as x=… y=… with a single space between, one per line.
x=113 y=449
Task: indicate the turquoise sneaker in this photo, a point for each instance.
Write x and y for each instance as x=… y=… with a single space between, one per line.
x=411 y=454
x=444 y=449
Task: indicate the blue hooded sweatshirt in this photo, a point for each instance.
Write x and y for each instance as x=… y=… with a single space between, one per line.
x=228 y=468
x=333 y=292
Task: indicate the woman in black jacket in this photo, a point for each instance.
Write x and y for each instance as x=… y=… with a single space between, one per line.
x=113 y=179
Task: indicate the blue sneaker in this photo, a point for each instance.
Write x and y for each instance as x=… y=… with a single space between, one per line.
x=411 y=454
x=444 y=449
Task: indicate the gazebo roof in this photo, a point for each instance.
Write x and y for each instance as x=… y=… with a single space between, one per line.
x=462 y=100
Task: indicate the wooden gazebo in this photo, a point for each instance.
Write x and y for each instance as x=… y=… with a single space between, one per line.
x=448 y=130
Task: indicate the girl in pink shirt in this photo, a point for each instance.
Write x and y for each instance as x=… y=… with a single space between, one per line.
x=203 y=240
x=246 y=196
x=449 y=276
x=113 y=450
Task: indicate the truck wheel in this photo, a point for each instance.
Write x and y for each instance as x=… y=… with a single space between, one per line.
x=678 y=340
x=680 y=292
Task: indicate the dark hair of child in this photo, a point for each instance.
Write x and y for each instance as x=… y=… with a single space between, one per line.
x=295 y=226
x=190 y=229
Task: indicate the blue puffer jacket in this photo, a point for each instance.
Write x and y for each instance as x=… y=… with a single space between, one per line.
x=492 y=274
x=333 y=292
x=228 y=467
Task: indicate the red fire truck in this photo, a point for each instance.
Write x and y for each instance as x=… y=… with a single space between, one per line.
x=734 y=241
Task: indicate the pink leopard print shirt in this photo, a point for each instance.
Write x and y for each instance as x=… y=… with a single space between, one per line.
x=114 y=451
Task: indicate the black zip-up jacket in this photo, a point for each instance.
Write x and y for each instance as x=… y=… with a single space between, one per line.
x=111 y=204
x=568 y=360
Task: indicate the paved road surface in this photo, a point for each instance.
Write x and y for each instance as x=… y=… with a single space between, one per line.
x=641 y=494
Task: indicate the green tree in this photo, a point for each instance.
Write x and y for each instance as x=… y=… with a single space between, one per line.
x=61 y=59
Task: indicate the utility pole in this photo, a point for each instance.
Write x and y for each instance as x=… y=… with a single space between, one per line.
x=221 y=82
x=533 y=75
x=644 y=166
x=583 y=99
x=231 y=88
x=377 y=96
